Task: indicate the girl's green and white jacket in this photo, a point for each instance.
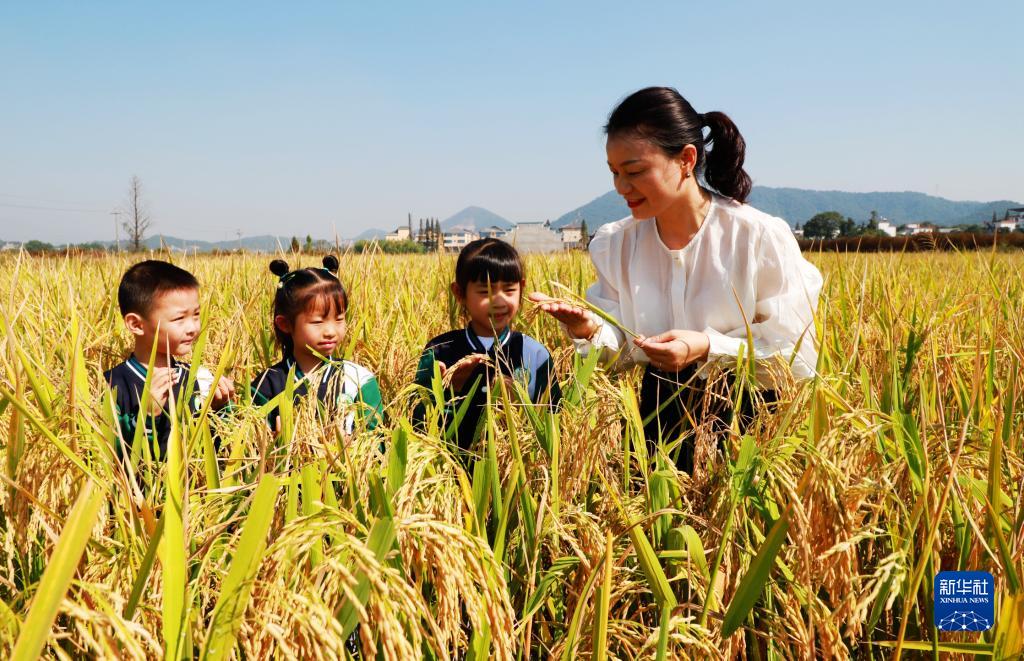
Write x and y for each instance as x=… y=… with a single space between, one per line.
x=345 y=388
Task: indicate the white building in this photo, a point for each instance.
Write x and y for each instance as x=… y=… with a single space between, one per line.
x=534 y=237
x=1008 y=225
x=917 y=228
x=492 y=232
x=459 y=239
x=886 y=227
x=402 y=233
x=572 y=237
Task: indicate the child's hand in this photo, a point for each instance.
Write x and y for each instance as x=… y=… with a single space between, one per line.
x=160 y=387
x=223 y=393
x=510 y=383
x=578 y=321
x=462 y=370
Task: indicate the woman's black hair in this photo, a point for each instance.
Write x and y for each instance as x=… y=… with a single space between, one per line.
x=305 y=289
x=488 y=260
x=662 y=116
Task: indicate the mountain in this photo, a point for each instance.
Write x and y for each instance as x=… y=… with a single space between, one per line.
x=474 y=218
x=370 y=234
x=263 y=243
x=797 y=205
x=605 y=209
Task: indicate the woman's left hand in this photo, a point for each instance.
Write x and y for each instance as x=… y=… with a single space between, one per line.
x=673 y=350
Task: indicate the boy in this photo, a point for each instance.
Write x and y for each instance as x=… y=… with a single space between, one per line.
x=489 y=281
x=156 y=294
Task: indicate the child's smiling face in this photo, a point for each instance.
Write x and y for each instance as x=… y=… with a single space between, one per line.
x=317 y=327
x=176 y=314
x=491 y=306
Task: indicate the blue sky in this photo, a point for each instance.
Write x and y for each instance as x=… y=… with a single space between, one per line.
x=336 y=117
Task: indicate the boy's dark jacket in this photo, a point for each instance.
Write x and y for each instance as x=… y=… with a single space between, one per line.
x=515 y=355
x=127 y=380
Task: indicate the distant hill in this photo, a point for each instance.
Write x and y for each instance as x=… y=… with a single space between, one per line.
x=370 y=234
x=264 y=243
x=605 y=209
x=476 y=218
x=797 y=205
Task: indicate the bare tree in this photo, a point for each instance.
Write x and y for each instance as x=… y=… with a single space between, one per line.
x=139 y=219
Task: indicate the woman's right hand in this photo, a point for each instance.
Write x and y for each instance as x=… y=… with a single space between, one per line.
x=578 y=321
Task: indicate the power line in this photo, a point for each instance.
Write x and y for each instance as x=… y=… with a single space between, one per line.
x=44 y=199
x=33 y=206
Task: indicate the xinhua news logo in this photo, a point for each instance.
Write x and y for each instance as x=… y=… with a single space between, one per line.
x=964 y=601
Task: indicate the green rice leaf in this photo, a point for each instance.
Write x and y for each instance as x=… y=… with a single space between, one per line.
x=35 y=631
x=236 y=589
x=752 y=583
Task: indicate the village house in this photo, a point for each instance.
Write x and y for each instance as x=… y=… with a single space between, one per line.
x=534 y=237
x=572 y=237
x=492 y=232
x=402 y=233
x=887 y=228
x=459 y=239
x=1012 y=221
x=917 y=228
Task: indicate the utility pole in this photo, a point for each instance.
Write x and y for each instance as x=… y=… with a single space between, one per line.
x=116 y=213
x=239 y=233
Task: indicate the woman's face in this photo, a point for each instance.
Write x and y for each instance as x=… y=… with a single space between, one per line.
x=649 y=180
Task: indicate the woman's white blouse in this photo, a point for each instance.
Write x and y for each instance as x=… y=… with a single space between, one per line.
x=742 y=267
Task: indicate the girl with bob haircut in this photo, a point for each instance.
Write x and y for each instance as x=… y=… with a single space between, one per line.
x=489 y=282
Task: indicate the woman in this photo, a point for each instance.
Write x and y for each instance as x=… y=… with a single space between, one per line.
x=693 y=267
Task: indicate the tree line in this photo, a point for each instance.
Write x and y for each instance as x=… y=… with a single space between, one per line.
x=832 y=225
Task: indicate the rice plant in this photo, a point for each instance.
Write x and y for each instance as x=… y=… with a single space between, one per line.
x=814 y=535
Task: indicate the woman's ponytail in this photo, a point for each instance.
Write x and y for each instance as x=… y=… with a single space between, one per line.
x=725 y=153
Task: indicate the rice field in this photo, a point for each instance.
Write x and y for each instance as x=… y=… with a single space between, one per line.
x=816 y=535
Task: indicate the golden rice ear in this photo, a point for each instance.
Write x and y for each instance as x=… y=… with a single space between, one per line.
x=279 y=267
x=331 y=263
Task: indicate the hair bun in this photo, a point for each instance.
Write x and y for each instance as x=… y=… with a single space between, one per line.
x=279 y=267
x=331 y=263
